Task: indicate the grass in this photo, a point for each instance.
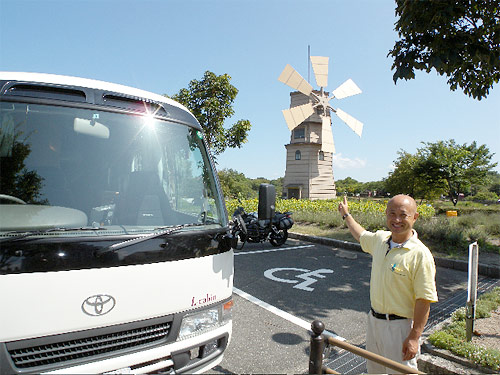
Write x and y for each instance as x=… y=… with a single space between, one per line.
x=444 y=235
x=453 y=336
x=465 y=207
x=322 y=231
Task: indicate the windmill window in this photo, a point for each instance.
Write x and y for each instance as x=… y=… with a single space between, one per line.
x=299 y=133
x=298 y=156
x=321 y=155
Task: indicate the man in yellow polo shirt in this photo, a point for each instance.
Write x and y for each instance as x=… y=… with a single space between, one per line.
x=402 y=284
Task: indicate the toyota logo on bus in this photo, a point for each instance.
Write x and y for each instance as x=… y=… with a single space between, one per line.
x=98 y=304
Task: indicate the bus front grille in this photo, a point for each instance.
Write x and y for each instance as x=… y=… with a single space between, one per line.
x=59 y=353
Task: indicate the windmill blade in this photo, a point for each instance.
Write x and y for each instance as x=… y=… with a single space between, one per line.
x=320 y=68
x=327 y=144
x=355 y=125
x=289 y=76
x=348 y=88
x=295 y=115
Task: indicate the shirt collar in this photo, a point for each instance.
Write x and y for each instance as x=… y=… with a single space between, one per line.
x=413 y=237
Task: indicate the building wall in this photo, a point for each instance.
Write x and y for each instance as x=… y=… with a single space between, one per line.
x=312 y=176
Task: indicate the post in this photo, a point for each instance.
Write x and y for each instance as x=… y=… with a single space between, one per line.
x=308 y=64
x=470 y=307
x=317 y=345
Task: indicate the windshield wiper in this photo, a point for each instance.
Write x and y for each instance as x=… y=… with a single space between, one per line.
x=164 y=231
x=17 y=235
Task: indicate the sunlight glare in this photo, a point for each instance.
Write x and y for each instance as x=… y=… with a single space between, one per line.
x=149 y=121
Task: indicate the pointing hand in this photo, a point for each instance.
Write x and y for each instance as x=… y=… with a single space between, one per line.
x=343 y=207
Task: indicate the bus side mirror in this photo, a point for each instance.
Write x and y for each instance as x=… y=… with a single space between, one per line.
x=267 y=201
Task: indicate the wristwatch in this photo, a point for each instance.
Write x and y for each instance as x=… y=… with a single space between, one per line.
x=344 y=216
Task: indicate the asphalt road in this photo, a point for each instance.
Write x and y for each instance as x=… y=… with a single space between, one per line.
x=280 y=291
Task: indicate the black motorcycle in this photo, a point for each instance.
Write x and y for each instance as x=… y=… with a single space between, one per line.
x=248 y=228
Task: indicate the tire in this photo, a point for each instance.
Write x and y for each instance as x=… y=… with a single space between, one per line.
x=278 y=239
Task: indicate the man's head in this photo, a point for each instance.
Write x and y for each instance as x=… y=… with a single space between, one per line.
x=401 y=214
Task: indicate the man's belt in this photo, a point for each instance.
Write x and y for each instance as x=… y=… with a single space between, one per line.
x=386 y=316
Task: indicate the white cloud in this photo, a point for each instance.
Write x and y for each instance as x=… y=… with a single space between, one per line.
x=346 y=163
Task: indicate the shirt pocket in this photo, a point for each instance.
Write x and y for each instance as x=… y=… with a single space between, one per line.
x=398 y=271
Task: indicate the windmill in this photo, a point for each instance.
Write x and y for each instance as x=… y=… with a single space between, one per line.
x=319 y=99
x=309 y=169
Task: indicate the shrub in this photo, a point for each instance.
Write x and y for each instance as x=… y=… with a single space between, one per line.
x=453 y=336
x=330 y=219
x=467 y=221
x=476 y=234
x=443 y=230
x=372 y=221
x=465 y=208
x=484 y=196
x=493 y=227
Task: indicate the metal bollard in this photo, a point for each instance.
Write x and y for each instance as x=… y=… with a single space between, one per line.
x=317 y=345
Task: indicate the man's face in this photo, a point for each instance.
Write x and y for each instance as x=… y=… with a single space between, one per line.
x=401 y=215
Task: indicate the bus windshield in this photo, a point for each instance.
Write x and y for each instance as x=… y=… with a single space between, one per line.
x=65 y=169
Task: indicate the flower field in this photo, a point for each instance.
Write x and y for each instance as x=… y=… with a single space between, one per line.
x=363 y=206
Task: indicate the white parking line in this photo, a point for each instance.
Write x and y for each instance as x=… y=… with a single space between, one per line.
x=282 y=314
x=273 y=250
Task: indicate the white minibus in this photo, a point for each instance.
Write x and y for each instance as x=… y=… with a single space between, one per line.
x=114 y=247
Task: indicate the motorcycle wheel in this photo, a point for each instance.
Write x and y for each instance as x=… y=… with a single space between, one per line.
x=278 y=239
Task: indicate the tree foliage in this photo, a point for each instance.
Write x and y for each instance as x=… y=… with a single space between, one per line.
x=404 y=179
x=236 y=185
x=494 y=179
x=443 y=167
x=456 y=38
x=211 y=102
x=350 y=186
x=457 y=166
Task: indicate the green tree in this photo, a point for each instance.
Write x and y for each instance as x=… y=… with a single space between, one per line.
x=375 y=186
x=235 y=184
x=491 y=184
x=494 y=185
x=405 y=179
x=348 y=185
x=457 y=166
x=211 y=102
x=255 y=184
x=459 y=39
x=278 y=183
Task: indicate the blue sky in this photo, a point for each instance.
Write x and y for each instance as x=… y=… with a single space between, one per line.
x=161 y=45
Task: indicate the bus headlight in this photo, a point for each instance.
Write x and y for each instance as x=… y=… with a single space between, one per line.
x=199 y=322
x=205 y=320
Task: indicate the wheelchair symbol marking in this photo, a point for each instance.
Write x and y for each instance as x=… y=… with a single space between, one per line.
x=306 y=276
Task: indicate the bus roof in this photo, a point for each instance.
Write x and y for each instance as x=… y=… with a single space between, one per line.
x=63 y=80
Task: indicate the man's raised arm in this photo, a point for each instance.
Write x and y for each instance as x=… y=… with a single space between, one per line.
x=352 y=224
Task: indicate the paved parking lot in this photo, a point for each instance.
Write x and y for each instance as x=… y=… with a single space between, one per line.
x=278 y=292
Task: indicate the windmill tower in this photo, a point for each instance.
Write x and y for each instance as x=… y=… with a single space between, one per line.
x=309 y=172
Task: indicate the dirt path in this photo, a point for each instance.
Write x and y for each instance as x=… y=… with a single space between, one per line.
x=488 y=330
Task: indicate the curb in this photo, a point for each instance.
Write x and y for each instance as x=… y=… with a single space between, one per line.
x=487 y=270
